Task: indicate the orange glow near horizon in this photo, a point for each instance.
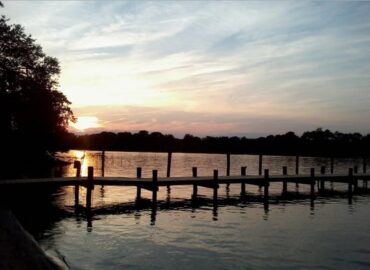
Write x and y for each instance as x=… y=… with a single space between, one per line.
x=85 y=122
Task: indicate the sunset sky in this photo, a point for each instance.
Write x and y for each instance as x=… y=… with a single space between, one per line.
x=208 y=67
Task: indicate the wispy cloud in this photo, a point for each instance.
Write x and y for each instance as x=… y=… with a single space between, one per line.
x=215 y=67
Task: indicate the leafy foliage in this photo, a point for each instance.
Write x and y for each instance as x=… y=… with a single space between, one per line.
x=31 y=107
x=34 y=115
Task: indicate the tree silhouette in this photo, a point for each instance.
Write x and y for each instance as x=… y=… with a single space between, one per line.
x=318 y=142
x=34 y=115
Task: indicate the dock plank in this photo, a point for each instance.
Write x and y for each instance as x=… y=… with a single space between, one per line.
x=174 y=181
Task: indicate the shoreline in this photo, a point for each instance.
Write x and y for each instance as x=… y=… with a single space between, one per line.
x=18 y=248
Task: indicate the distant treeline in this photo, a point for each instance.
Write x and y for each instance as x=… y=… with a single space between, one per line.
x=312 y=143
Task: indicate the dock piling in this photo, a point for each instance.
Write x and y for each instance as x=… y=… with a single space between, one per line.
x=296 y=168
x=350 y=181
x=103 y=163
x=227 y=169
x=312 y=173
x=154 y=186
x=364 y=163
x=77 y=166
x=331 y=165
x=195 y=171
x=355 y=179
x=322 y=181
x=260 y=157
x=138 y=187
x=215 y=185
x=243 y=172
x=228 y=164
x=266 y=190
x=297 y=165
x=195 y=186
x=169 y=161
x=266 y=185
x=89 y=186
x=138 y=172
x=285 y=183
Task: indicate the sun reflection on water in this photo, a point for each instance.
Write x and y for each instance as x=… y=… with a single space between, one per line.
x=78 y=154
x=87 y=159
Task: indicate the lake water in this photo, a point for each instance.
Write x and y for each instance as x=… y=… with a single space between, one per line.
x=330 y=232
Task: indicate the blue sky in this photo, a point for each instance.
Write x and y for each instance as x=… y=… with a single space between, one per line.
x=209 y=67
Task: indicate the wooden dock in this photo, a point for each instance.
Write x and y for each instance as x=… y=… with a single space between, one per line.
x=213 y=182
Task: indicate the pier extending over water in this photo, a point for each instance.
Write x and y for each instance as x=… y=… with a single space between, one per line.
x=316 y=181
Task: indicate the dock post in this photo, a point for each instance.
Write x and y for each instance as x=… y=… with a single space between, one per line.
x=322 y=181
x=266 y=185
x=243 y=172
x=364 y=165
x=350 y=181
x=355 y=169
x=195 y=171
x=266 y=190
x=153 y=214
x=228 y=164
x=297 y=165
x=215 y=185
x=77 y=166
x=155 y=186
x=296 y=168
x=331 y=165
x=103 y=163
x=77 y=195
x=260 y=165
x=312 y=182
x=89 y=186
x=195 y=186
x=331 y=171
x=227 y=169
x=138 y=187
x=285 y=183
x=169 y=161
x=355 y=179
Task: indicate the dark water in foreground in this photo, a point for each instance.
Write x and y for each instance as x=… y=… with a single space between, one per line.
x=293 y=233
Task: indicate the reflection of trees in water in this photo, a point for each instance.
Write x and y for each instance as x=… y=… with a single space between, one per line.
x=37 y=209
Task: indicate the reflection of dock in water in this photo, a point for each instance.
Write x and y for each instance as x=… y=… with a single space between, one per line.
x=315 y=182
x=206 y=203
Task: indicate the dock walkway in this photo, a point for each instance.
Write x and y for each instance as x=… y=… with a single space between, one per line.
x=153 y=183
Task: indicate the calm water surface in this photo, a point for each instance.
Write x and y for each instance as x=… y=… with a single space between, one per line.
x=293 y=233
